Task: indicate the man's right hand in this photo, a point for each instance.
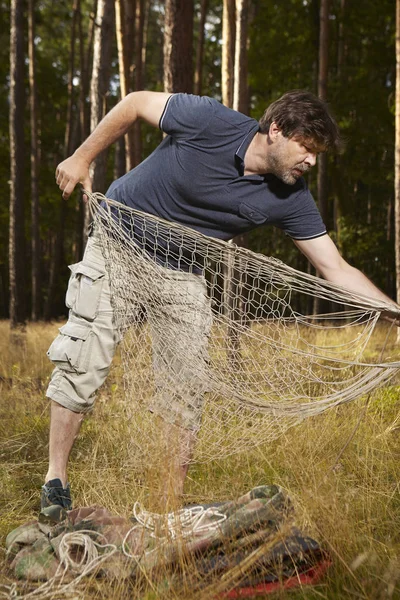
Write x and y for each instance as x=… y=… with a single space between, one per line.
x=71 y=171
x=145 y=105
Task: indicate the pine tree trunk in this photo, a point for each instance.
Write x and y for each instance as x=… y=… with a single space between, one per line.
x=322 y=93
x=322 y=179
x=138 y=73
x=100 y=82
x=58 y=247
x=85 y=63
x=124 y=25
x=178 y=46
x=228 y=51
x=240 y=89
x=198 y=74
x=397 y=162
x=16 y=226
x=235 y=287
x=147 y=8
x=35 y=234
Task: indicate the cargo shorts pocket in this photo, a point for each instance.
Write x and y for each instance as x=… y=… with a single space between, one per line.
x=70 y=351
x=84 y=290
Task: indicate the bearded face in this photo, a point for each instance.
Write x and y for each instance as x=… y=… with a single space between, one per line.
x=290 y=158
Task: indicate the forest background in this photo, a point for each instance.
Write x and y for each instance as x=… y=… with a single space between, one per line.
x=68 y=62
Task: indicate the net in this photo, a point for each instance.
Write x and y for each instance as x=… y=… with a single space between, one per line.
x=219 y=335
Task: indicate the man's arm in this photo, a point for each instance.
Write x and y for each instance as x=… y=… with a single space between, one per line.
x=137 y=105
x=325 y=257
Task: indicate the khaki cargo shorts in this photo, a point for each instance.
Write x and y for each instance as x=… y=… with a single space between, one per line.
x=179 y=322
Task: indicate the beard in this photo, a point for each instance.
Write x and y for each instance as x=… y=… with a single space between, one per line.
x=279 y=167
x=289 y=176
x=292 y=175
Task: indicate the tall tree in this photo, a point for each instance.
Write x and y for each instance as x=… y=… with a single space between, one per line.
x=322 y=93
x=322 y=177
x=69 y=143
x=125 y=25
x=16 y=223
x=228 y=51
x=85 y=60
x=338 y=183
x=178 y=46
x=35 y=234
x=100 y=81
x=140 y=41
x=397 y=160
x=240 y=88
x=198 y=73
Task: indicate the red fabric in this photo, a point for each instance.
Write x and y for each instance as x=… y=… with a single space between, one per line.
x=310 y=577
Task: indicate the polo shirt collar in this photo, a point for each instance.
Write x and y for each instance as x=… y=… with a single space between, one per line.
x=241 y=151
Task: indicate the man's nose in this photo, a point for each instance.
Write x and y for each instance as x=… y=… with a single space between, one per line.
x=311 y=159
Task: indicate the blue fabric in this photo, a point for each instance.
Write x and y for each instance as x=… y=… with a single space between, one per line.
x=195 y=177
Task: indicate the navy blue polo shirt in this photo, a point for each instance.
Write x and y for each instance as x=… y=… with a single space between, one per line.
x=195 y=177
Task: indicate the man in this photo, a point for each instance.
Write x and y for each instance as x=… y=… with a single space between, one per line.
x=218 y=172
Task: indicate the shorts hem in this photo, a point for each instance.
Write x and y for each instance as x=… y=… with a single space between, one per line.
x=66 y=402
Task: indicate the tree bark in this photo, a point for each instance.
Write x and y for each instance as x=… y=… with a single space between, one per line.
x=341 y=41
x=58 y=247
x=16 y=225
x=124 y=25
x=85 y=64
x=322 y=93
x=322 y=178
x=178 y=46
x=198 y=74
x=100 y=82
x=138 y=74
x=397 y=162
x=228 y=51
x=147 y=7
x=240 y=90
x=35 y=234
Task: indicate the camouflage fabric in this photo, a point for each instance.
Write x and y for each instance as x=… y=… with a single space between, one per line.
x=261 y=518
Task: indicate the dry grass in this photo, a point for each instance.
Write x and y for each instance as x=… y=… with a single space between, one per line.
x=351 y=504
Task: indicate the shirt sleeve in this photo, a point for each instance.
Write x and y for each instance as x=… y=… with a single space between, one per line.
x=185 y=116
x=303 y=220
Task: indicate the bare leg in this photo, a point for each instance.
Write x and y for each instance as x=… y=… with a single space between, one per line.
x=64 y=428
x=179 y=444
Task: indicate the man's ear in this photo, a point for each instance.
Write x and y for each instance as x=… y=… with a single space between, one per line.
x=274 y=131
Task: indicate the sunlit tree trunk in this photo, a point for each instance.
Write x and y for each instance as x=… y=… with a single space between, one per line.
x=100 y=82
x=17 y=259
x=235 y=283
x=35 y=235
x=124 y=25
x=322 y=93
x=147 y=7
x=58 y=247
x=240 y=88
x=227 y=84
x=178 y=46
x=138 y=74
x=322 y=178
x=85 y=65
x=198 y=73
x=228 y=52
x=397 y=161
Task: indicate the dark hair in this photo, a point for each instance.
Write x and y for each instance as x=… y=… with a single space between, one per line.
x=301 y=114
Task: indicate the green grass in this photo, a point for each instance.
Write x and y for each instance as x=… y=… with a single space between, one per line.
x=346 y=496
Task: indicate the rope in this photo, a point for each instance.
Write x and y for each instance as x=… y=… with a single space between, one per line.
x=90 y=560
x=181 y=524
